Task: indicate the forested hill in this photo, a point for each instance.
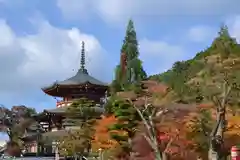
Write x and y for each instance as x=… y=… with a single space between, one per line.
x=207 y=68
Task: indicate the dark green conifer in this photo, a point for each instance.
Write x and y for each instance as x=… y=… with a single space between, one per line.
x=128 y=122
x=130 y=69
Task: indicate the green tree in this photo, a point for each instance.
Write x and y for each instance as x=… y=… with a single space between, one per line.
x=128 y=120
x=130 y=69
x=75 y=143
x=219 y=82
x=201 y=130
x=81 y=115
x=224 y=43
x=15 y=121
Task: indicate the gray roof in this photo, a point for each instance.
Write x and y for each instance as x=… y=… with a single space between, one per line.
x=71 y=122
x=81 y=77
x=29 y=135
x=49 y=137
x=3 y=148
x=63 y=110
x=57 y=110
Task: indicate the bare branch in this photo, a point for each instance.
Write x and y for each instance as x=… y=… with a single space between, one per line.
x=226 y=94
x=168 y=144
x=149 y=140
x=143 y=119
x=151 y=135
x=216 y=101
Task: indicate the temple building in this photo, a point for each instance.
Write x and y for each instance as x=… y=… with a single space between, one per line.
x=52 y=122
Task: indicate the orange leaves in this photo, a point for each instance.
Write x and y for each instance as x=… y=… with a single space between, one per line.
x=232 y=134
x=234 y=123
x=102 y=138
x=172 y=137
x=200 y=125
x=205 y=106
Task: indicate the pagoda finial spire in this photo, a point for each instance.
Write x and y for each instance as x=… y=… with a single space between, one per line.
x=83 y=56
x=82 y=64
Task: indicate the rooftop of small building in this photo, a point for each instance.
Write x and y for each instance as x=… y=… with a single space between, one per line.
x=2 y=143
x=63 y=110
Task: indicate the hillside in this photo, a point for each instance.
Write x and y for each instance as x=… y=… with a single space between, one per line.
x=190 y=79
x=185 y=91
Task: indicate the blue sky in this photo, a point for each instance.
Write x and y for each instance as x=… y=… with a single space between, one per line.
x=40 y=39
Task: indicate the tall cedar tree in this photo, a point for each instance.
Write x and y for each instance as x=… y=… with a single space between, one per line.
x=128 y=120
x=130 y=69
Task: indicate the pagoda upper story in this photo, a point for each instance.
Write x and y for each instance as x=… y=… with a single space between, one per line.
x=79 y=86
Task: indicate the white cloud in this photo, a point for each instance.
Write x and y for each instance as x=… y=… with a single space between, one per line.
x=31 y=61
x=160 y=55
x=234 y=25
x=201 y=33
x=204 y=33
x=120 y=10
x=75 y=8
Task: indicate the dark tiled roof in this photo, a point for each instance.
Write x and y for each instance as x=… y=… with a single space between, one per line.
x=57 y=110
x=70 y=122
x=54 y=135
x=80 y=78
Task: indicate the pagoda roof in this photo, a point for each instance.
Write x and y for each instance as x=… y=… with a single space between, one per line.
x=80 y=78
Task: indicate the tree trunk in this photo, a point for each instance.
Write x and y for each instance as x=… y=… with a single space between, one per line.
x=131 y=154
x=213 y=155
x=75 y=156
x=158 y=156
x=216 y=139
x=199 y=158
x=164 y=156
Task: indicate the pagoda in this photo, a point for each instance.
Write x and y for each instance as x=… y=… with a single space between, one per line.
x=81 y=85
x=53 y=122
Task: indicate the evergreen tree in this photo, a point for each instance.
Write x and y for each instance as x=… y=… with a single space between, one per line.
x=130 y=69
x=224 y=43
x=126 y=127
x=81 y=115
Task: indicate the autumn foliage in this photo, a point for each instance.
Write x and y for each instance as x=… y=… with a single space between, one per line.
x=102 y=138
x=231 y=136
x=176 y=128
x=171 y=135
